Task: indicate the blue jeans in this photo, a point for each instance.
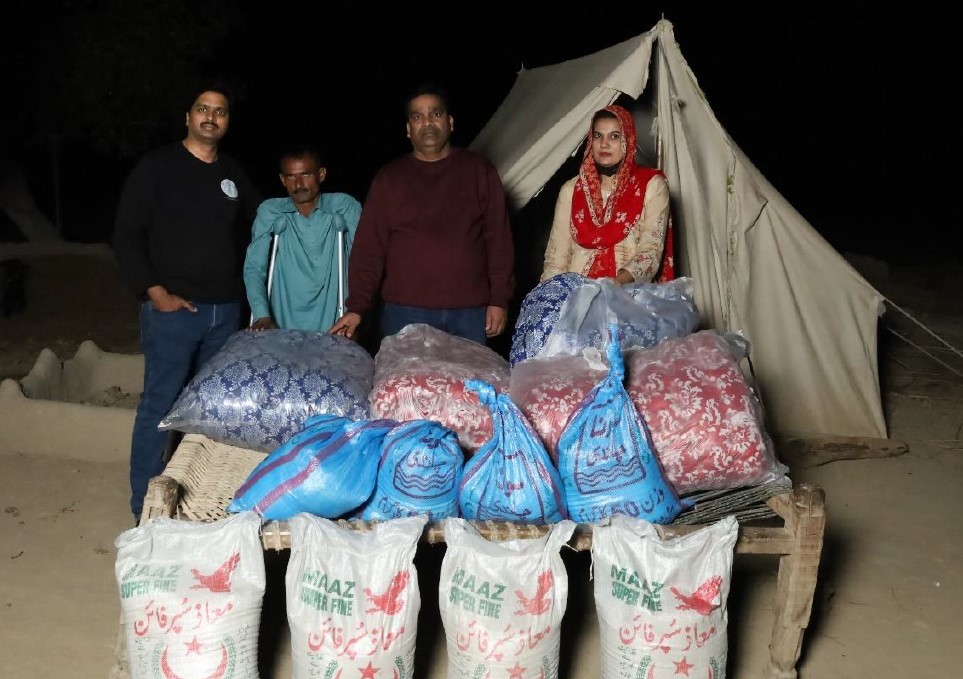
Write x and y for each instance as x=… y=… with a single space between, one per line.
x=175 y=345
x=468 y=323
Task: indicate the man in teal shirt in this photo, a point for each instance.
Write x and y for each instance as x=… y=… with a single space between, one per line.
x=304 y=286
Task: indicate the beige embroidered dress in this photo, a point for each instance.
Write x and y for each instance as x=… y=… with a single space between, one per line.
x=640 y=253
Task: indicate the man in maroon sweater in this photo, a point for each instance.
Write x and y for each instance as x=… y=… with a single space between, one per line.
x=434 y=237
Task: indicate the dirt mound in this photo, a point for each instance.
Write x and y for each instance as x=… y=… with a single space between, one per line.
x=69 y=298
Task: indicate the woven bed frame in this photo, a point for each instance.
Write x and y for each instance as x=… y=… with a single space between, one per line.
x=202 y=476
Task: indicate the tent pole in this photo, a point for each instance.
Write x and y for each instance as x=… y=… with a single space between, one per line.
x=659 y=160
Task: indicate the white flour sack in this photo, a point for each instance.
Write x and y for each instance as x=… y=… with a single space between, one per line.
x=662 y=603
x=502 y=603
x=191 y=597
x=353 y=598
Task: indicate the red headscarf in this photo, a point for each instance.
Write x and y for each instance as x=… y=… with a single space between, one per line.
x=599 y=226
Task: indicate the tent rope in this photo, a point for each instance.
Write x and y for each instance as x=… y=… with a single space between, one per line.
x=931 y=333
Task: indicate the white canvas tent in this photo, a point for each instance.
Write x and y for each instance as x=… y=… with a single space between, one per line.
x=758 y=266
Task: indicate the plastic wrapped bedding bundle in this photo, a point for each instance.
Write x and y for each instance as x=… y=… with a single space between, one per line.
x=646 y=314
x=569 y=312
x=258 y=390
x=420 y=374
x=705 y=420
x=662 y=604
x=190 y=596
x=539 y=313
x=548 y=390
x=502 y=603
x=353 y=598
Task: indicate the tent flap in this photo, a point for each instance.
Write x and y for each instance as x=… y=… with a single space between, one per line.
x=546 y=113
x=758 y=267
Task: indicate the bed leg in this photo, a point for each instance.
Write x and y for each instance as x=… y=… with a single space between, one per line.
x=805 y=516
x=160 y=499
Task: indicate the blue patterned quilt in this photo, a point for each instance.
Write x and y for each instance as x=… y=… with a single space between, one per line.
x=258 y=390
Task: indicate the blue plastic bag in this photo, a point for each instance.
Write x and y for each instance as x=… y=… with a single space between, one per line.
x=511 y=477
x=606 y=458
x=327 y=469
x=421 y=465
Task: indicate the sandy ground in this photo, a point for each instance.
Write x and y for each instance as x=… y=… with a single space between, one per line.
x=890 y=587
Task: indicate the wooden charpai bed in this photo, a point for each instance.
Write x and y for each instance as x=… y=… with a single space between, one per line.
x=780 y=519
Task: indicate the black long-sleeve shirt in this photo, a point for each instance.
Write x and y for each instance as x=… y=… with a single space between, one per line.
x=184 y=224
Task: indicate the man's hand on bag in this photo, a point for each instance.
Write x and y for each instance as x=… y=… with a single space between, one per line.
x=264 y=323
x=346 y=325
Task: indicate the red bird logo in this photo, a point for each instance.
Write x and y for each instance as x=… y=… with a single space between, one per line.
x=540 y=602
x=390 y=602
x=702 y=601
x=219 y=580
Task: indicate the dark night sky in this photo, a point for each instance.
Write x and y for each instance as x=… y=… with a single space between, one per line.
x=852 y=115
x=845 y=111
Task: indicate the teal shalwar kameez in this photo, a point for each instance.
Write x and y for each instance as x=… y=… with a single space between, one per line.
x=304 y=292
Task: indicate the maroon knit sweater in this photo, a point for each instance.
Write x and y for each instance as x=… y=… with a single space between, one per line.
x=434 y=235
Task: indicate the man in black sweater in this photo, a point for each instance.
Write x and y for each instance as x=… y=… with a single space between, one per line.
x=180 y=234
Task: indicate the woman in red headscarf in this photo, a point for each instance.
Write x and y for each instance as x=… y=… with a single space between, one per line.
x=612 y=220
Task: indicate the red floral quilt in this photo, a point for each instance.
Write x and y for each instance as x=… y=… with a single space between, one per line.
x=706 y=423
x=420 y=374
